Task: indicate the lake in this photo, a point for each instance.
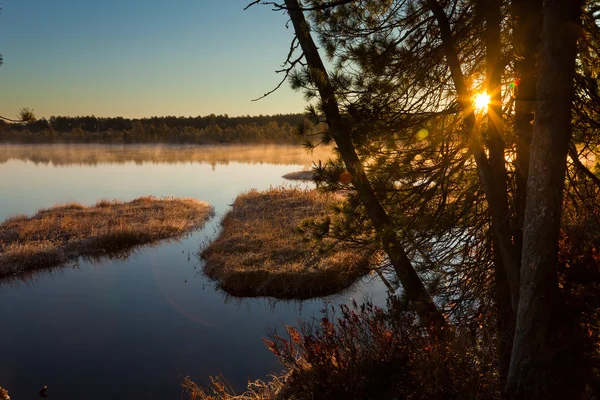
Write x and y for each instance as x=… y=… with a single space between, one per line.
x=129 y=328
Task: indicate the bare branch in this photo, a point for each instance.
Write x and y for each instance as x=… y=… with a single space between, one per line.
x=8 y=119
x=582 y=168
x=279 y=7
x=287 y=71
x=251 y=4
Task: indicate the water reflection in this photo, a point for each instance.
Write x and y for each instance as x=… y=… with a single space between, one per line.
x=98 y=260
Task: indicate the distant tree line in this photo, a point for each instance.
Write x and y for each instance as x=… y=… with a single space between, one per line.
x=280 y=128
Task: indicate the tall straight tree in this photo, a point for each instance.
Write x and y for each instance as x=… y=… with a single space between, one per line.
x=527 y=15
x=497 y=161
x=545 y=185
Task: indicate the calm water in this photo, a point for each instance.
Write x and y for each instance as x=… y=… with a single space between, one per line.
x=129 y=328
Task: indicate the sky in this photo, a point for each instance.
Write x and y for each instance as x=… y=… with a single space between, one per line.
x=141 y=58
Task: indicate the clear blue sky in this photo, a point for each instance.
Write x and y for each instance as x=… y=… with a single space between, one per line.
x=137 y=58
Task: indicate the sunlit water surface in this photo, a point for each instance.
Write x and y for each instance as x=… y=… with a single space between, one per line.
x=130 y=328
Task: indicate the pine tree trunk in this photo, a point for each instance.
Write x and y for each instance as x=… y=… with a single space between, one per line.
x=527 y=17
x=504 y=309
x=505 y=324
x=529 y=374
x=412 y=284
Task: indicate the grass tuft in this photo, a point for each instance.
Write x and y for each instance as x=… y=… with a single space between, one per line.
x=220 y=389
x=300 y=176
x=260 y=252
x=4 y=394
x=63 y=233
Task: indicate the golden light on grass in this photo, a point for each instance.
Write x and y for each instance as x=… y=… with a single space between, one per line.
x=261 y=253
x=63 y=233
x=481 y=102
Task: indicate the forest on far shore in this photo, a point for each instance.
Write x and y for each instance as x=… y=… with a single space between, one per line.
x=210 y=129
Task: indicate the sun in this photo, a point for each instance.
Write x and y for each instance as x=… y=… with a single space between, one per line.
x=481 y=101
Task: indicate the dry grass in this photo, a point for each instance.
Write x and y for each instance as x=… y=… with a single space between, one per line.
x=220 y=389
x=260 y=252
x=300 y=176
x=63 y=233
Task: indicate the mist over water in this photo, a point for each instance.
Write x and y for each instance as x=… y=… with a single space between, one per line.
x=93 y=154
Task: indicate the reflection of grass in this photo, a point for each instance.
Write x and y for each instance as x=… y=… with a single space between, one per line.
x=63 y=233
x=259 y=252
x=300 y=176
x=83 y=154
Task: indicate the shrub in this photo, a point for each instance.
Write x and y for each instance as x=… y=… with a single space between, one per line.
x=368 y=352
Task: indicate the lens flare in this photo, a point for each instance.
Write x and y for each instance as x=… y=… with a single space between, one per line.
x=481 y=101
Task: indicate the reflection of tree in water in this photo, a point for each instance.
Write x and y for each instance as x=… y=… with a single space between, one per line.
x=83 y=154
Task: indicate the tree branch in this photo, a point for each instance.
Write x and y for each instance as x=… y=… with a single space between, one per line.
x=582 y=168
x=500 y=222
x=278 y=6
x=11 y=120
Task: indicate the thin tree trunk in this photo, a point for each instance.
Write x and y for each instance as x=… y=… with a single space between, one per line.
x=505 y=323
x=412 y=284
x=529 y=369
x=492 y=184
x=497 y=161
x=495 y=126
x=527 y=16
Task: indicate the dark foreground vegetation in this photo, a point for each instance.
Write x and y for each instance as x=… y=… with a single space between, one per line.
x=261 y=250
x=466 y=136
x=63 y=233
x=210 y=129
x=366 y=352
